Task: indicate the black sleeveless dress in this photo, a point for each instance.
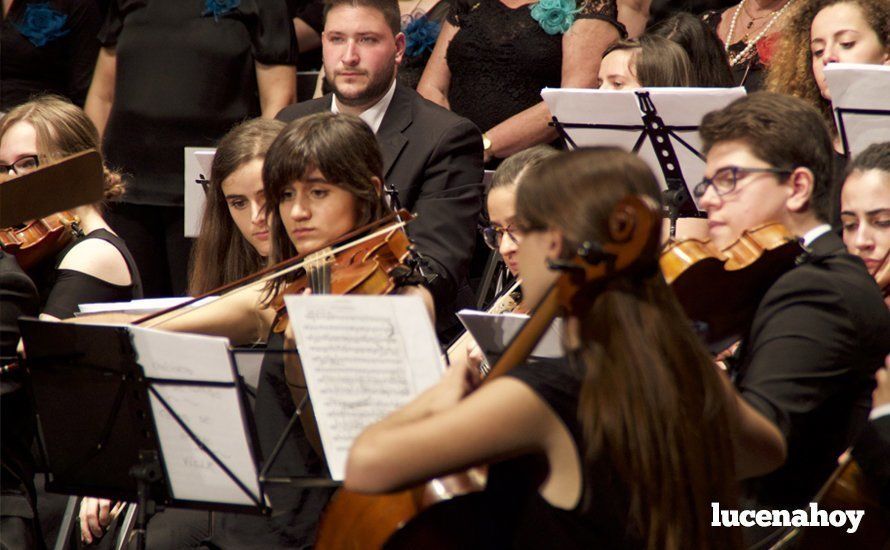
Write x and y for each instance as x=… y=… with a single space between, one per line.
x=510 y=513
x=63 y=290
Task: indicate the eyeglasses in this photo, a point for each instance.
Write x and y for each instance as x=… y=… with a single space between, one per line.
x=725 y=179
x=493 y=235
x=21 y=166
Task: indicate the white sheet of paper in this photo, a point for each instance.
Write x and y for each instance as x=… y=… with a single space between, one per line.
x=363 y=357
x=675 y=106
x=197 y=164
x=143 y=306
x=855 y=86
x=214 y=415
x=182 y=356
x=493 y=332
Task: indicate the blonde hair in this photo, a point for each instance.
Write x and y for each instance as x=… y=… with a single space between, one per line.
x=62 y=129
x=791 y=68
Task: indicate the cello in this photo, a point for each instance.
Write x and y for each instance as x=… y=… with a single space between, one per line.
x=359 y=521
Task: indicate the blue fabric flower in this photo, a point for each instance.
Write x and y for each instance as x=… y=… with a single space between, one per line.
x=42 y=23
x=219 y=7
x=554 y=16
x=421 y=35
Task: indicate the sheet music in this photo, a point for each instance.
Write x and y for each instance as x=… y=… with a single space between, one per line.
x=675 y=106
x=212 y=411
x=363 y=357
x=855 y=86
x=493 y=332
x=197 y=163
x=182 y=356
x=214 y=415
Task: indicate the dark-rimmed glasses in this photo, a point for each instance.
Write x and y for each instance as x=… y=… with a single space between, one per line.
x=493 y=235
x=21 y=166
x=725 y=179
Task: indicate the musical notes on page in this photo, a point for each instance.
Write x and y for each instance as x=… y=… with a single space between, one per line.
x=363 y=357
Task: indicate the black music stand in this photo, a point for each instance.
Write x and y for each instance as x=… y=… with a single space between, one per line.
x=97 y=414
x=667 y=134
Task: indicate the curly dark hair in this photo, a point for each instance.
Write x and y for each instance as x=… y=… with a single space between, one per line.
x=791 y=69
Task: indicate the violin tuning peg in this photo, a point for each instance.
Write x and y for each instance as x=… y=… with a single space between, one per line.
x=593 y=253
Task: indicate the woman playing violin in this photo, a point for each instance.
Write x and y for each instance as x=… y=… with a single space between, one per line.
x=322 y=178
x=865 y=212
x=96 y=267
x=635 y=402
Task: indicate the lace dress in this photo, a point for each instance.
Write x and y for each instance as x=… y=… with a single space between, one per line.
x=501 y=57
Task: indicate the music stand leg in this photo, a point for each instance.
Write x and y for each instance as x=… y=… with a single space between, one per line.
x=674 y=199
x=146 y=472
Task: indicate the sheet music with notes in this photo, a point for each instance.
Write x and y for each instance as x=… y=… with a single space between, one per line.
x=194 y=376
x=861 y=102
x=363 y=357
x=620 y=112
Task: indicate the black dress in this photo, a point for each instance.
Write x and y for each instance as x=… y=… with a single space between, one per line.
x=48 y=47
x=749 y=72
x=501 y=58
x=184 y=77
x=510 y=513
x=63 y=290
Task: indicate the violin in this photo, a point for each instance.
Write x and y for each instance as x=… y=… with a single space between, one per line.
x=372 y=266
x=359 y=521
x=721 y=289
x=34 y=241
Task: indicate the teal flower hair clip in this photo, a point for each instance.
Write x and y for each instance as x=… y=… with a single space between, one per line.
x=554 y=16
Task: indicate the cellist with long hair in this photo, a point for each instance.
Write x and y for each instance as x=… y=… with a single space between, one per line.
x=633 y=427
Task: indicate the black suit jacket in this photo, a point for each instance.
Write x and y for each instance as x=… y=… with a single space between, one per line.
x=433 y=158
x=872 y=452
x=18 y=297
x=807 y=364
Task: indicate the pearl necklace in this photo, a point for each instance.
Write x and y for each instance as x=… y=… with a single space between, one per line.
x=761 y=34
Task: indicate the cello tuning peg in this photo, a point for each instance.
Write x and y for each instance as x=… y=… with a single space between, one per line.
x=593 y=253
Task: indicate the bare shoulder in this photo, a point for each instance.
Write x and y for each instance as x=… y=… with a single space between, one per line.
x=100 y=259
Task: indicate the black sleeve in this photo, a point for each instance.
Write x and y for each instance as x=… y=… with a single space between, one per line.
x=799 y=349
x=272 y=35
x=872 y=452
x=313 y=15
x=449 y=205
x=73 y=288
x=83 y=49
x=605 y=10
x=114 y=22
x=18 y=297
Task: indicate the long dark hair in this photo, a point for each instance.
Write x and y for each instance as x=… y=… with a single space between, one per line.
x=221 y=254
x=710 y=65
x=653 y=409
x=346 y=152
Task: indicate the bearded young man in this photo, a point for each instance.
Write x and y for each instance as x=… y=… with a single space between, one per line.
x=432 y=157
x=820 y=332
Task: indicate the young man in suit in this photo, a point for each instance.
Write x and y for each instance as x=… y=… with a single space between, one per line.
x=432 y=157
x=821 y=330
